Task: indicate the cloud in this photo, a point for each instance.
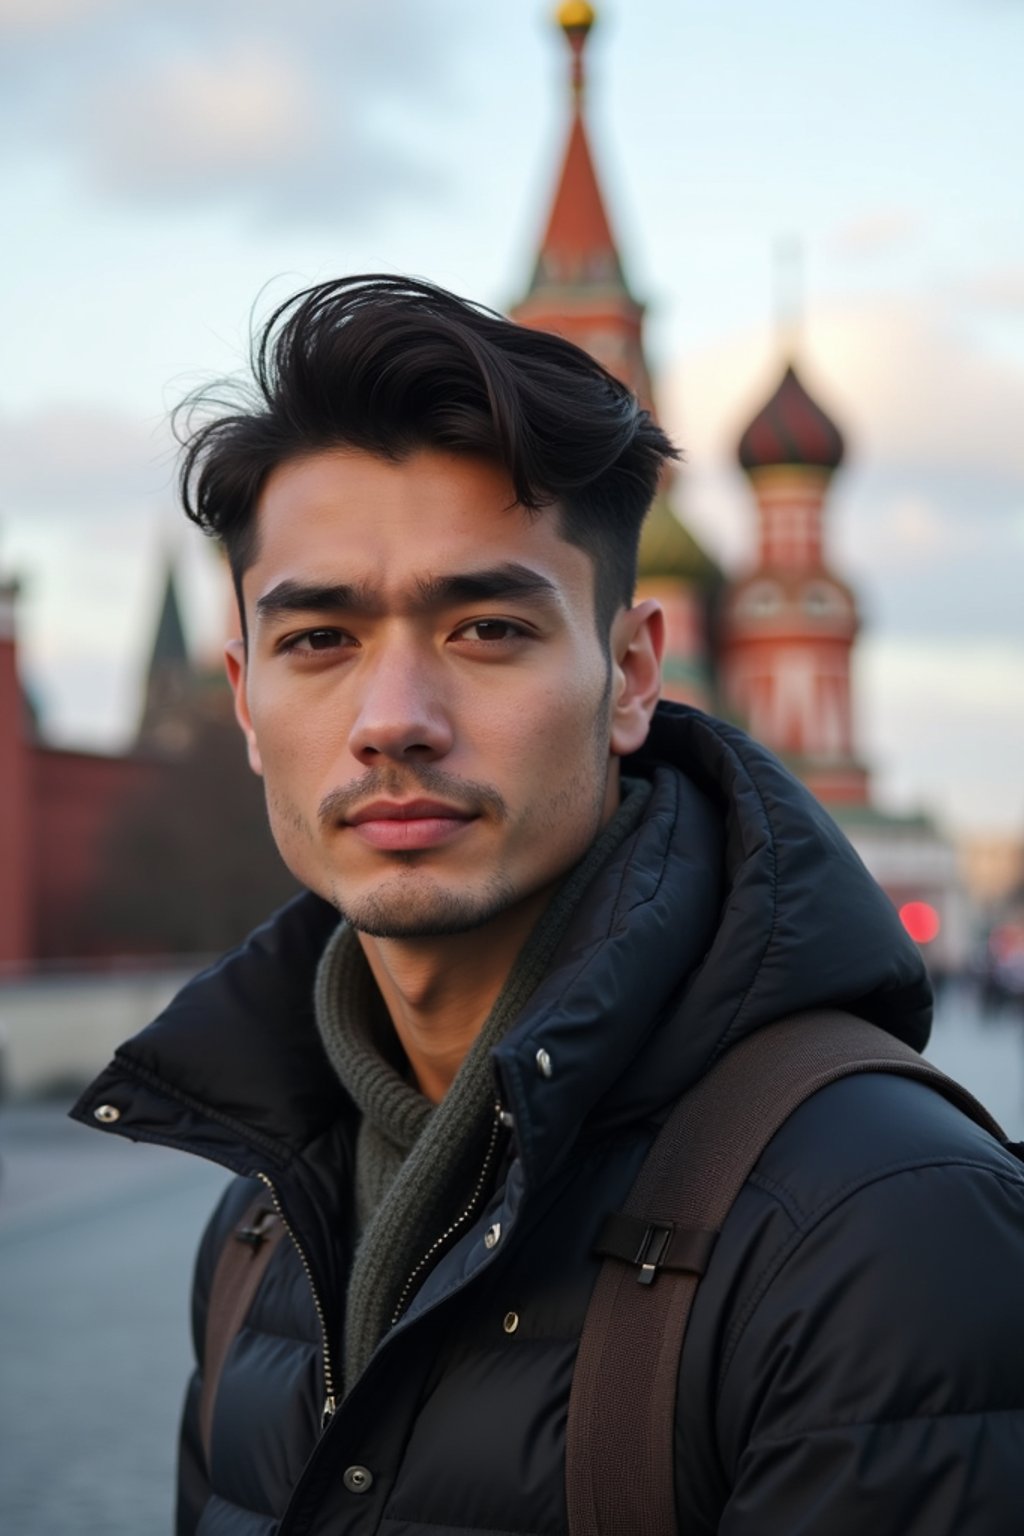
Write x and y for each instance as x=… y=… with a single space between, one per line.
x=876 y=233
x=917 y=528
x=943 y=725
x=76 y=462
x=195 y=125
x=999 y=289
x=312 y=112
x=26 y=18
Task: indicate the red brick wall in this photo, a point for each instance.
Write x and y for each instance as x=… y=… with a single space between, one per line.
x=76 y=798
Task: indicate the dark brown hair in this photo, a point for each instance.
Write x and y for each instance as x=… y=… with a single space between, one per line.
x=392 y=364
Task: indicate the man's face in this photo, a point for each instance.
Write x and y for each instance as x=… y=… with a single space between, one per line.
x=425 y=691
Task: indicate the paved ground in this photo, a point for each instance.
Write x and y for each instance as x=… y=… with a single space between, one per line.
x=96 y=1245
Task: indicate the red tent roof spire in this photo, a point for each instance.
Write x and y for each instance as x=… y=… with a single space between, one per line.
x=578 y=288
x=578 y=244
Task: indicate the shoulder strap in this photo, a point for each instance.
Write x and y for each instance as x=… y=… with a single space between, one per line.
x=241 y=1265
x=620 y=1459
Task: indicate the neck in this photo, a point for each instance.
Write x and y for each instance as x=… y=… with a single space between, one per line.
x=439 y=991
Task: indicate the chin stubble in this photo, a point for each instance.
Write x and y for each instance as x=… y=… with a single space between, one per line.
x=431 y=913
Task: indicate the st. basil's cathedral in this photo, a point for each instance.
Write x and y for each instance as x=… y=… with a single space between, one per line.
x=769 y=647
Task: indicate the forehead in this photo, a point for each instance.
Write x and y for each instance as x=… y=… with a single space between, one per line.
x=347 y=515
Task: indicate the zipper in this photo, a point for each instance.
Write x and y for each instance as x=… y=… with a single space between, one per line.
x=460 y=1220
x=330 y=1399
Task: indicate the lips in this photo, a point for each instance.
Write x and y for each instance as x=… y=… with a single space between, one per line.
x=406 y=826
x=406 y=810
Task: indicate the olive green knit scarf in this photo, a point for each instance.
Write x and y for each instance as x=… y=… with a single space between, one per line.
x=416 y=1162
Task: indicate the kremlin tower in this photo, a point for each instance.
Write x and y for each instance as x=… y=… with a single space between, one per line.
x=789 y=624
x=579 y=290
x=786 y=637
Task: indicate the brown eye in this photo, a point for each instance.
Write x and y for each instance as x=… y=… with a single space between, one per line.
x=492 y=629
x=323 y=639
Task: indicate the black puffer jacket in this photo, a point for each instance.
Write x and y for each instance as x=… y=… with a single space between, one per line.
x=855 y=1360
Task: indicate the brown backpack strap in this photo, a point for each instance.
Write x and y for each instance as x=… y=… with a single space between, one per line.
x=620 y=1460
x=241 y=1265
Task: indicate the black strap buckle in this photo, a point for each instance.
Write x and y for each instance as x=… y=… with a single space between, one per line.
x=652 y=1250
x=653 y=1245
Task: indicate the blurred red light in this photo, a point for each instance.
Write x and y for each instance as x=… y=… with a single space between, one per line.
x=921 y=921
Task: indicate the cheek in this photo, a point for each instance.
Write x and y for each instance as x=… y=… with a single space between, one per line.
x=562 y=748
x=291 y=735
x=291 y=826
x=295 y=761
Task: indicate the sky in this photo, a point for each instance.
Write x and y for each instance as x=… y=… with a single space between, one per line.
x=169 y=169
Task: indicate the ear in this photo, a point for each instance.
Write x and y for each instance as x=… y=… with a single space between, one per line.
x=637 y=644
x=235 y=663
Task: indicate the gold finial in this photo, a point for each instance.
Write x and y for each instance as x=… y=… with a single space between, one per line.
x=576 y=18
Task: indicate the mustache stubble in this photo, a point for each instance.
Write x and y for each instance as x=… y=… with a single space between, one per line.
x=391 y=782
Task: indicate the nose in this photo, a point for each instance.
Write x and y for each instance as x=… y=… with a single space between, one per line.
x=401 y=714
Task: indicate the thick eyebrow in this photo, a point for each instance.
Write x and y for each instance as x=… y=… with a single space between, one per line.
x=510 y=582
x=316 y=597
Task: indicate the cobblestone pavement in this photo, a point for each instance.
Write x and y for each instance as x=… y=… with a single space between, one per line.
x=97 y=1239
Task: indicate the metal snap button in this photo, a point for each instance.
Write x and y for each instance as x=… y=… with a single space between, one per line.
x=357 y=1479
x=511 y=1322
x=107 y=1114
x=543 y=1060
x=492 y=1235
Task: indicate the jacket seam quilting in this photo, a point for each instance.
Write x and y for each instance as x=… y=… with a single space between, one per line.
x=393 y=1512
x=772 y=1268
x=256 y=1330
x=728 y=1034
x=222 y=1498
x=618 y=911
x=781 y=1194
x=897 y=1422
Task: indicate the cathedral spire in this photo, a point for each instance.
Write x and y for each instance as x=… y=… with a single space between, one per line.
x=578 y=288
x=169 y=645
x=169 y=678
x=578 y=245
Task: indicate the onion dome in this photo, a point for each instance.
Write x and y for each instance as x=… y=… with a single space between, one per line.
x=791 y=429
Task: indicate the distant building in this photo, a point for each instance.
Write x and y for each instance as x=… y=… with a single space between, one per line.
x=158 y=851
x=993 y=868
x=56 y=808
x=788 y=627
x=789 y=623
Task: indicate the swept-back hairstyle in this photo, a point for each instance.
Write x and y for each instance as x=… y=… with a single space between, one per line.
x=392 y=364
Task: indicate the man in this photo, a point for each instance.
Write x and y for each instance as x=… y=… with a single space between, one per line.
x=559 y=901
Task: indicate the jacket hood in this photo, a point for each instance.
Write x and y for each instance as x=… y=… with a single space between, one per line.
x=736 y=901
